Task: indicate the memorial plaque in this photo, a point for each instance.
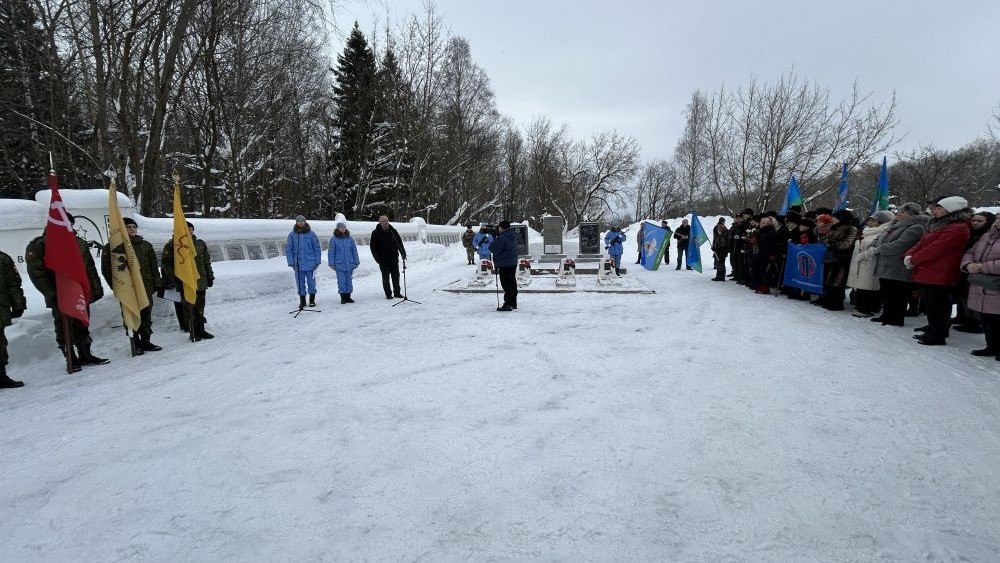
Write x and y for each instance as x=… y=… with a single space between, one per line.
x=552 y=233
x=590 y=238
x=521 y=234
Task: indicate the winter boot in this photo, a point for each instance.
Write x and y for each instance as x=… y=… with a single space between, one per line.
x=302 y=302
x=505 y=307
x=77 y=366
x=137 y=345
x=343 y=298
x=148 y=346
x=347 y=298
x=6 y=382
x=312 y=299
x=86 y=358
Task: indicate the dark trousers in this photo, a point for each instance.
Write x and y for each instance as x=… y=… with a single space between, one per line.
x=965 y=317
x=77 y=330
x=470 y=254
x=146 y=318
x=895 y=295
x=180 y=307
x=508 y=281
x=938 y=300
x=720 y=263
x=390 y=270
x=991 y=329
x=867 y=301
x=680 y=256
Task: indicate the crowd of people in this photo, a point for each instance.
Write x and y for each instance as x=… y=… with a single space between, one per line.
x=907 y=262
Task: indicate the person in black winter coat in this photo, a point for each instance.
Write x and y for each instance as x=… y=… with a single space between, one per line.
x=387 y=247
x=682 y=234
x=504 y=249
x=765 y=255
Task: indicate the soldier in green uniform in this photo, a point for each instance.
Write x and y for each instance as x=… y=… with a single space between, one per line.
x=470 y=250
x=44 y=281
x=151 y=281
x=12 y=306
x=203 y=261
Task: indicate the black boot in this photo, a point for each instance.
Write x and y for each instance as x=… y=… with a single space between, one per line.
x=6 y=382
x=312 y=299
x=137 y=345
x=148 y=346
x=75 y=361
x=302 y=302
x=347 y=298
x=86 y=358
x=343 y=298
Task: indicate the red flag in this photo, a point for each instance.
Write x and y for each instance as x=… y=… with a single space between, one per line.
x=62 y=256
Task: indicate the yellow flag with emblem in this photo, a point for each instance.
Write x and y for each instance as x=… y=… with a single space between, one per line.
x=185 y=268
x=126 y=275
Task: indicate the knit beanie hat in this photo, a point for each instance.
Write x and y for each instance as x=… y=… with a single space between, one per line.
x=953 y=203
x=882 y=216
x=341 y=224
x=824 y=218
x=300 y=217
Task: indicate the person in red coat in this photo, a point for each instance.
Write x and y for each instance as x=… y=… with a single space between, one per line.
x=934 y=262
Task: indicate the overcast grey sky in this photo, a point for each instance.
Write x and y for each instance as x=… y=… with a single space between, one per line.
x=632 y=65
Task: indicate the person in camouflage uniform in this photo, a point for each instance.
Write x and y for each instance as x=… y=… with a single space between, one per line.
x=44 y=281
x=12 y=306
x=203 y=261
x=470 y=250
x=151 y=282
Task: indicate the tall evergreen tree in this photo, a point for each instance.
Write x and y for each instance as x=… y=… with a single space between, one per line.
x=36 y=114
x=355 y=96
x=394 y=129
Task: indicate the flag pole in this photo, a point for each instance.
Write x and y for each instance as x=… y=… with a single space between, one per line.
x=68 y=340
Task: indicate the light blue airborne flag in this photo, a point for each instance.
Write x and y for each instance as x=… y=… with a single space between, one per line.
x=698 y=237
x=842 y=201
x=804 y=267
x=654 y=243
x=792 y=196
x=881 y=200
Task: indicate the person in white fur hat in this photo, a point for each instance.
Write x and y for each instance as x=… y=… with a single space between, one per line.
x=935 y=262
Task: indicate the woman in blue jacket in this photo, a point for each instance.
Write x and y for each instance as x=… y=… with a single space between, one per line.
x=343 y=258
x=304 y=255
x=613 y=242
x=481 y=242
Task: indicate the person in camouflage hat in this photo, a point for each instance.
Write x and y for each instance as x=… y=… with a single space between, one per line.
x=12 y=306
x=44 y=281
x=206 y=277
x=151 y=282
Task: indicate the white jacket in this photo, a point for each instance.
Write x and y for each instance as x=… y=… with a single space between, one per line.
x=863 y=262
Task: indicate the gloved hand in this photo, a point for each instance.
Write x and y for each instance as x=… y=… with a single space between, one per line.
x=160 y=292
x=16 y=313
x=908 y=262
x=210 y=282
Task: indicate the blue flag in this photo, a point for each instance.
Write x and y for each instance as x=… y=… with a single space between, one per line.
x=698 y=237
x=792 y=196
x=842 y=201
x=654 y=243
x=804 y=267
x=881 y=200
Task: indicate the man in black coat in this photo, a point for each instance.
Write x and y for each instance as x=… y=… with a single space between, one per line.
x=387 y=247
x=682 y=234
x=504 y=249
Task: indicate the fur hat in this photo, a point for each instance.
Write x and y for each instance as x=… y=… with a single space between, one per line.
x=807 y=222
x=824 y=219
x=844 y=216
x=953 y=203
x=793 y=217
x=911 y=208
x=504 y=225
x=882 y=216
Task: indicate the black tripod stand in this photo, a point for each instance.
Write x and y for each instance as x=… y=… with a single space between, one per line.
x=405 y=298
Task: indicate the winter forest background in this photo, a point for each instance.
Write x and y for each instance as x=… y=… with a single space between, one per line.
x=245 y=100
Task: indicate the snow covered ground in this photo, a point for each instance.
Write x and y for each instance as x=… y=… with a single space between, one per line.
x=700 y=423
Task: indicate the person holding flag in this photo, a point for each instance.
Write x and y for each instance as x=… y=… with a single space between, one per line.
x=683 y=237
x=655 y=241
x=129 y=265
x=178 y=267
x=60 y=266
